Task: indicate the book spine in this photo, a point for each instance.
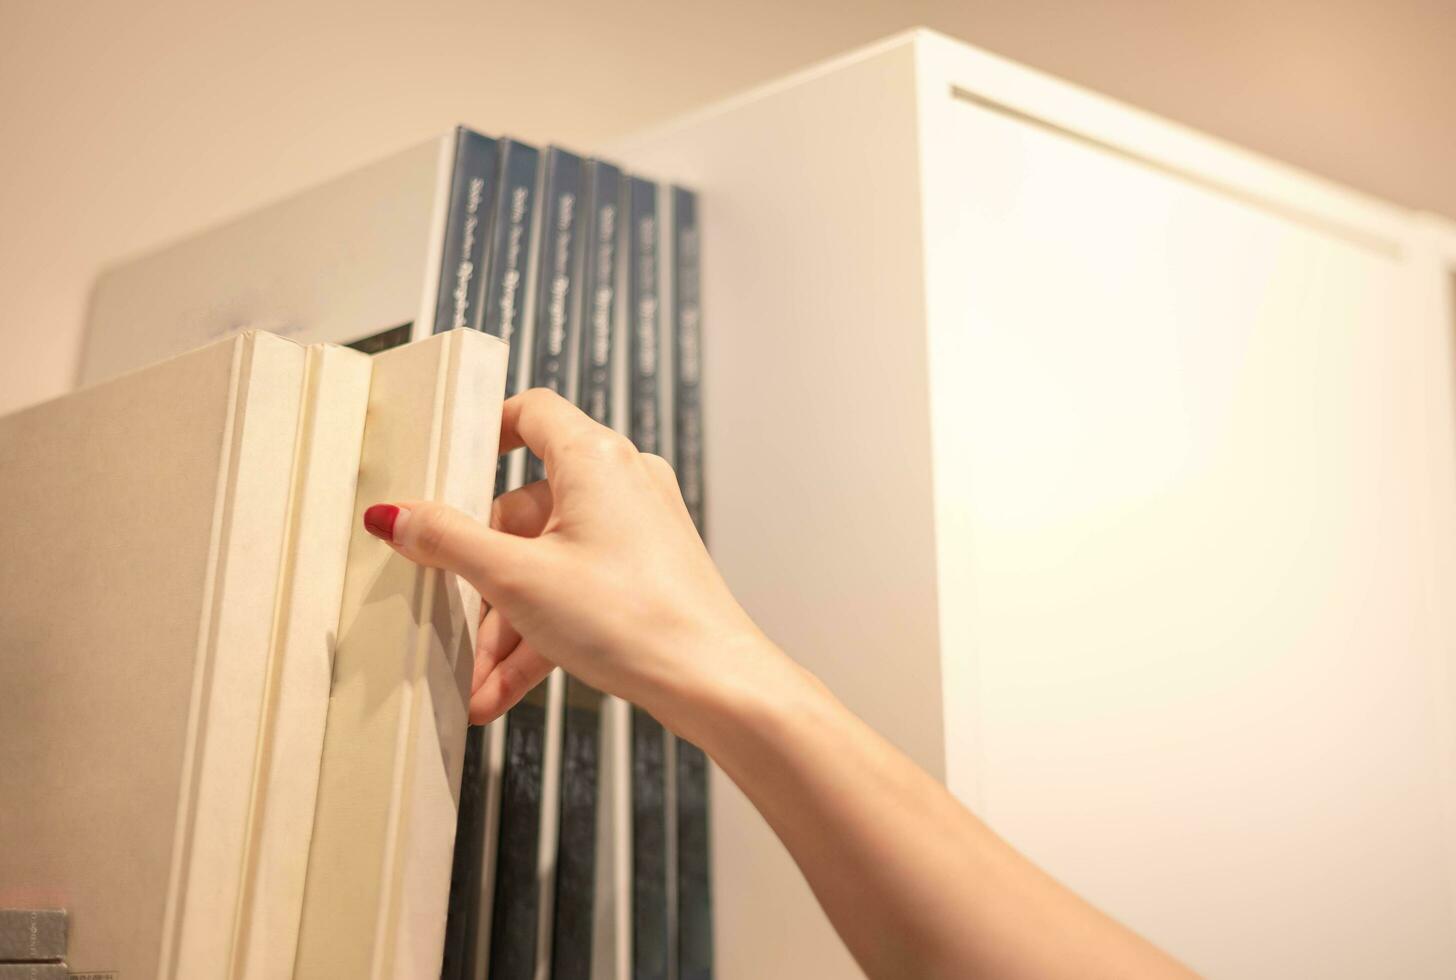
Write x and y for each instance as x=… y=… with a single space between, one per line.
x=643 y=398
x=649 y=848
x=572 y=911
x=513 y=232
x=694 y=896
x=44 y=971
x=582 y=719
x=32 y=934
x=514 y=910
x=557 y=315
x=508 y=242
x=599 y=291
x=472 y=191
x=650 y=934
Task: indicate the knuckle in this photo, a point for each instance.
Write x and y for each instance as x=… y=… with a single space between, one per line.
x=657 y=464
x=431 y=524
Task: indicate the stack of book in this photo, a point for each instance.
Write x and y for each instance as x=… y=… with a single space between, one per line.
x=579 y=827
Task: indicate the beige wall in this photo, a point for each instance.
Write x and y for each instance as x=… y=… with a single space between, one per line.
x=126 y=125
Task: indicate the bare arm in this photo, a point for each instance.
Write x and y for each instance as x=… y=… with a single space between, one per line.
x=599 y=570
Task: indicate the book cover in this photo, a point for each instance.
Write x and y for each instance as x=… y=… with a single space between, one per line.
x=694 y=895
x=379 y=865
x=126 y=767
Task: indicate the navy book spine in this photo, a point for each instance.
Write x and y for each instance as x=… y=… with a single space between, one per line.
x=650 y=937
x=581 y=738
x=694 y=894
x=506 y=234
x=513 y=232
x=472 y=192
x=514 y=909
x=557 y=315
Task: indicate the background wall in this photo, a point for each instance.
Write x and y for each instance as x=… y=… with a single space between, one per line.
x=127 y=125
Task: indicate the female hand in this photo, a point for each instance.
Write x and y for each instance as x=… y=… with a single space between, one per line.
x=597 y=569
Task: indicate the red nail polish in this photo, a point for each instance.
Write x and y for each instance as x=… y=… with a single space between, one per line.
x=379 y=520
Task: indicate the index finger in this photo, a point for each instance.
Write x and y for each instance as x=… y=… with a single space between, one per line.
x=542 y=421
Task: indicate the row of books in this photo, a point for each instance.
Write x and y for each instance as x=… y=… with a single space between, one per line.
x=581 y=845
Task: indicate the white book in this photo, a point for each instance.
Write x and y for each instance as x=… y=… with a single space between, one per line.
x=345 y=260
x=296 y=696
x=140 y=617
x=384 y=827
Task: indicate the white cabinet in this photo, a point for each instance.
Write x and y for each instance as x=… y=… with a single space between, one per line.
x=1106 y=469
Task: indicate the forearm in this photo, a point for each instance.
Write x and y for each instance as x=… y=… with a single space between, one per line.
x=911 y=880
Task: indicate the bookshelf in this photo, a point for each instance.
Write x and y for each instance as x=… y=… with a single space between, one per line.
x=1106 y=468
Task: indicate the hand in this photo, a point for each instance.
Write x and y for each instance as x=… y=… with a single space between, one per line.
x=597 y=569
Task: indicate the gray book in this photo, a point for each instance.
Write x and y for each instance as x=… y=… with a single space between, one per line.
x=32 y=934
x=45 y=971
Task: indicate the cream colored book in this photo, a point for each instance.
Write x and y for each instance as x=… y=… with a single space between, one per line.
x=384 y=829
x=146 y=524
x=296 y=694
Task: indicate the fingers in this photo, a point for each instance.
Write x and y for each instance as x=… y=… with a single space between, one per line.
x=538 y=418
x=548 y=424
x=438 y=536
x=507 y=682
x=524 y=511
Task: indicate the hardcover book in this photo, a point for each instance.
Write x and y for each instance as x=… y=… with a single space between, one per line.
x=576 y=913
x=379 y=866
x=694 y=901
x=141 y=601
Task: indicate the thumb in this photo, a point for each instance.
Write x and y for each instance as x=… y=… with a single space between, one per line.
x=439 y=536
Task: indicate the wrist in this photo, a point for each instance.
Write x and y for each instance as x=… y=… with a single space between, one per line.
x=748 y=689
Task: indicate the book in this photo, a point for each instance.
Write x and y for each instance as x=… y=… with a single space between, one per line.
x=384 y=247
x=533 y=730
x=128 y=767
x=515 y=910
x=557 y=314
x=579 y=825
x=379 y=865
x=501 y=280
x=694 y=941
x=459 y=298
x=32 y=934
x=299 y=676
x=649 y=788
x=42 y=971
x=512 y=255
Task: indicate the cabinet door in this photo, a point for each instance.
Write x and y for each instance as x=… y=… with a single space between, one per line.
x=1192 y=653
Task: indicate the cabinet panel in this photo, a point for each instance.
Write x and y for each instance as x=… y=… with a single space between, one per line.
x=1180 y=464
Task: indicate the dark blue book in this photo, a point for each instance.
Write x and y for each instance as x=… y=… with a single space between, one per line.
x=506 y=234
x=694 y=895
x=581 y=724
x=514 y=909
x=472 y=194
x=512 y=242
x=557 y=313
x=650 y=931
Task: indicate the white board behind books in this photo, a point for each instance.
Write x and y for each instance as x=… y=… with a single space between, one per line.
x=334 y=263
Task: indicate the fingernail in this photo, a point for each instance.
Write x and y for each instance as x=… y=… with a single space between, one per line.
x=379 y=520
